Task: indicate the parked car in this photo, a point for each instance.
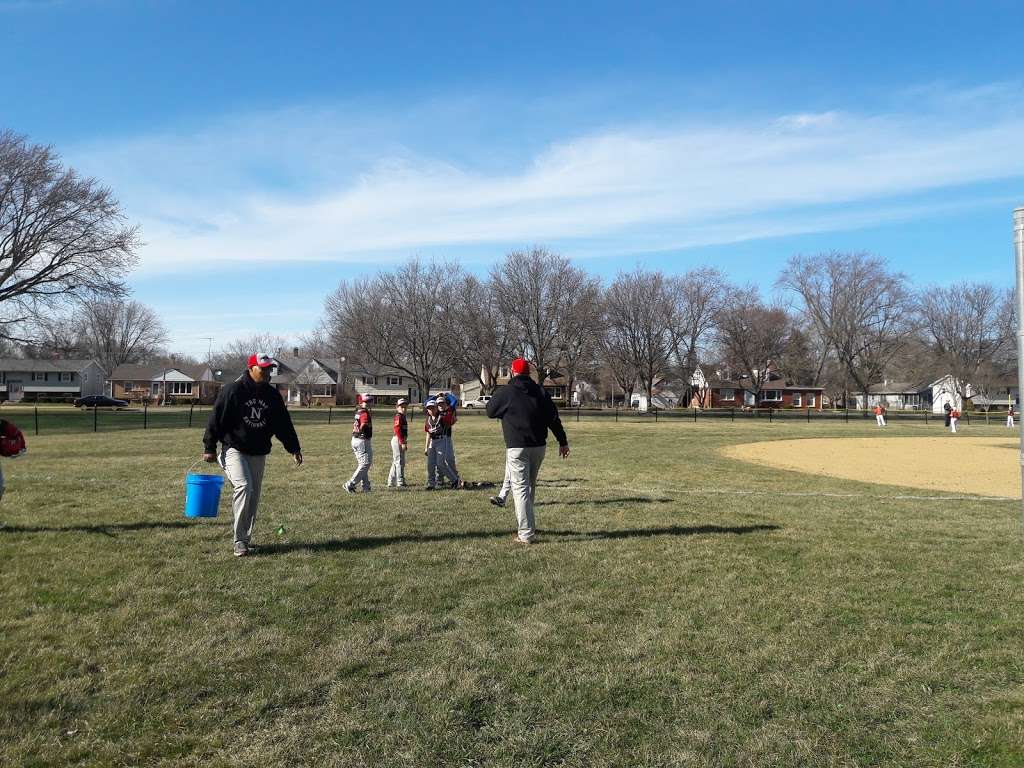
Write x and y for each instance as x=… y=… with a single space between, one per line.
x=99 y=401
x=480 y=402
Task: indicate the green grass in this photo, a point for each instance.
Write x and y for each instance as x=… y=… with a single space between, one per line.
x=681 y=609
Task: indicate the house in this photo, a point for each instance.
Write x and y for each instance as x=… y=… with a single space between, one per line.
x=43 y=381
x=556 y=384
x=777 y=392
x=895 y=395
x=662 y=397
x=999 y=395
x=311 y=380
x=182 y=383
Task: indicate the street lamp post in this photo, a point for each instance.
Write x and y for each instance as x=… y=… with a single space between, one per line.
x=1018 y=239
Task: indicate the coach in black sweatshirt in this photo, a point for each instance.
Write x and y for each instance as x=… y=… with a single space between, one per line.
x=248 y=412
x=527 y=413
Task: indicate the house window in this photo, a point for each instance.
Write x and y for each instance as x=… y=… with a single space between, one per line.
x=65 y=377
x=368 y=381
x=748 y=398
x=38 y=376
x=798 y=400
x=503 y=372
x=771 y=396
x=812 y=401
x=129 y=385
x=156 y=388
x=180 y=387
x=727 y=394
x=394 y=381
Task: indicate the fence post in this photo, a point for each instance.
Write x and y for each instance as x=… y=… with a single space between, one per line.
x=145 y=415
x=986 y=418
x=330 y=410
x=695 y=414
x=771 y=412
x=808 y=414
x=95 y=419
x=968 y=415
x=732 y=413
x=616 y=413
x=847 y=417
x=37 y=419
x=190 y=409
x=577 y=413
x=655 y=415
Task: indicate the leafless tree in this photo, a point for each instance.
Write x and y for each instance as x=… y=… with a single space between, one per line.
x=234 y=355
x=531 y=288
x=640 y=325
x=54 y=336
x=482 y=333
x=580 y=328
x=400 y=319
x=969 y=328
x=117 y=331
x=752 y=336
x=697 y=295
x=863 y=311
x=61 y=235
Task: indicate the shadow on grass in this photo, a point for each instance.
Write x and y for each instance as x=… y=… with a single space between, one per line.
x=358 y=543
x=602 y=502
x=103 y=528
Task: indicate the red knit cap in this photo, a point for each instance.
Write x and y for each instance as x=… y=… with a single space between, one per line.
x=520 y=366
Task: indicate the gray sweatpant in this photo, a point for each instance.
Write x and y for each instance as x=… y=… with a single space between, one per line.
x=245 y=473
x=523 y=467
x=364 y=459
x=437 y=462
x=506 y=484
x=397 y=474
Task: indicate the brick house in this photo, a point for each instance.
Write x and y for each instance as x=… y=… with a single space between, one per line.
x=146 y=383
x=775 y=393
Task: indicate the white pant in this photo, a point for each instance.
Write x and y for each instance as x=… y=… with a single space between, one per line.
x=1009 y=421
x=397 y=474
x=437 y=462
x=524 y=466
x=952 y=424
x=364 y=459
x=880 y=419
x=245 y=473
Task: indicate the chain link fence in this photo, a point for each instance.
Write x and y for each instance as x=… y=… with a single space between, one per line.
x=40 y=420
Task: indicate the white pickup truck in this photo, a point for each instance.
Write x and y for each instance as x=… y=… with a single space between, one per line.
x=480 y=402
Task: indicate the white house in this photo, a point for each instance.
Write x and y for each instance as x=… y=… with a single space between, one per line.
x=49 y=380
x=943 y=391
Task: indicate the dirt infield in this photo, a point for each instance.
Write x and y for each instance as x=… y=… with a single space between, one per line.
x=983 y=466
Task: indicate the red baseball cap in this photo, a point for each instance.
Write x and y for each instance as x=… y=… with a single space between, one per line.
x=520 y=366
x=262 y=359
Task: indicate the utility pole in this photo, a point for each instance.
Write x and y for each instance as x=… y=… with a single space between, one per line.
x=1018 y=240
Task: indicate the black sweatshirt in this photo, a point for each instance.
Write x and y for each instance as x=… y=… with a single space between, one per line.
x=245 y=417
x=527 y=413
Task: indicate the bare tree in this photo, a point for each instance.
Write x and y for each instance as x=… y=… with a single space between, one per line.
x=531 y=287
x=640 y=325
x=482 y=343
x=752 y=336
x=54 y=336
x=969 y=328
x=863 y=311
x=61 y=235
x=116 y=331
x=580 y=327
x=697 y=295
x=401 y=319
x=234 y=355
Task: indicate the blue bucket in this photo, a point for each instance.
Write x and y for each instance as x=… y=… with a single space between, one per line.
x=202 y=495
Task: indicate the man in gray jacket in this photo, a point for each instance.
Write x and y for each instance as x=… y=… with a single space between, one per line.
x=527 y=413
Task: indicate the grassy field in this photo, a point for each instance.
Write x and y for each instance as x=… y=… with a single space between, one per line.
x=681 y=608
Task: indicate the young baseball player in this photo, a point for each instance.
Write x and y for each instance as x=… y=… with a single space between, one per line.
x=399 y=443
x=880 y=415
x=435 y=449
x=1009 y=416
x=954 y=417
x=362 y=431
x=449 y=417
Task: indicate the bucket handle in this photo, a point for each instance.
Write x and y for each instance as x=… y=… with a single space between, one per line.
x=193 y=466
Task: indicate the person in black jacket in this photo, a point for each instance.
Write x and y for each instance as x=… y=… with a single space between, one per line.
x=248 y=412
x=527 y=413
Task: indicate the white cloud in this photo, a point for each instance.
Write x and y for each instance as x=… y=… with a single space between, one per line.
x=323 y=184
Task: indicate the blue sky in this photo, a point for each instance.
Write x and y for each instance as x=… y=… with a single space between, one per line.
x=272 y=148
